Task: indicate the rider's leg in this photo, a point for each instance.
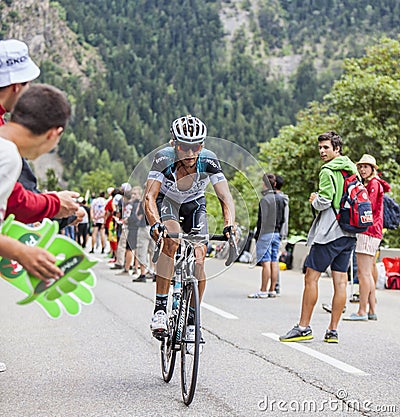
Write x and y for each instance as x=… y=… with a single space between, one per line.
x=200 y=252
x=165 y=266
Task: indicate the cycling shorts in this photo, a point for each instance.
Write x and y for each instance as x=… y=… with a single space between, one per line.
x=190 y=215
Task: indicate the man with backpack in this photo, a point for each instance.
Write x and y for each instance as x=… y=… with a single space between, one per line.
x=330 y=243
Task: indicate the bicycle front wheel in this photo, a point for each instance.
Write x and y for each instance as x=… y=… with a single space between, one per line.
x=168 y=355
x=190 y=347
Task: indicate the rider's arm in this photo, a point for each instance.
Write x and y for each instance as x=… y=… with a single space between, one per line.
x=225 y=198
x=150 y=205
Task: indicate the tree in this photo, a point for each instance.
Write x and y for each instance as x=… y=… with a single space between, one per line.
x=364 y=107
x=51 y=180
x=96 y=181
x=294 y=155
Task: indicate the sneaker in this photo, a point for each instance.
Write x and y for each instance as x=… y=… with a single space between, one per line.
x=372 y=316
x=272 y=294
x=355 y=298
x=190 y=337
x=297 y=335
x=159 y=323
x=331 y=336
x=140 y=278
x=123 y=272
x=116 y=266
x=328 y=308
x=356 y=317
x=2 y=367
x=91 y=251
x=258 y=294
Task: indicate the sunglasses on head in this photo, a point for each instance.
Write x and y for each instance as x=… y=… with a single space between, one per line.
x=186 y=147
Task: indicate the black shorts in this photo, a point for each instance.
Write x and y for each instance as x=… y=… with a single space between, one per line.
x=190 y=215
x=336 y=254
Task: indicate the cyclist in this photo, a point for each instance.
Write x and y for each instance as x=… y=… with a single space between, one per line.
x=175 y=191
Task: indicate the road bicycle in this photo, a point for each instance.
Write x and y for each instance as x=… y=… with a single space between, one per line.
x=185 y=293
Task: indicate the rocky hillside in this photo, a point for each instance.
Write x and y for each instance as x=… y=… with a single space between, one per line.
x=245 y=66
x=42 y=25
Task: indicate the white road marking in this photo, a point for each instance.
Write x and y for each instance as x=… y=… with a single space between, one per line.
x=218 y=311
x=321 y=356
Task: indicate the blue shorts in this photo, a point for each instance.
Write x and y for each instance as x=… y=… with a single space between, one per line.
x=336 y=254
x=267 y=247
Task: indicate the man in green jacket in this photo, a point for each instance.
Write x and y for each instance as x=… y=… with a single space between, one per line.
x=330 y=245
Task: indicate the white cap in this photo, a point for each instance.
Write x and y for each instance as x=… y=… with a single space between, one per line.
x=15 y=64
x=126 y=187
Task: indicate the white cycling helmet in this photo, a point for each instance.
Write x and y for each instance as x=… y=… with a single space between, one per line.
x=188 y=129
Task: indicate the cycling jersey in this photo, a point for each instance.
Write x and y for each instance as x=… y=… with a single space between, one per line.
x=164 y=168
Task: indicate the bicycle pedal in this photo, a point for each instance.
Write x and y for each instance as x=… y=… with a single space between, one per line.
x=160 y=335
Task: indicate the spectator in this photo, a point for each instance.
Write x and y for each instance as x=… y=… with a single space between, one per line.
x=330 y=245
x=97 y=214
x=368 y=242
x=37 y=123
x=15 y=77
x=271 y=216
x=145 y=244
x=83 y=226
x=279 y=181
x=131 y=224
x=125 y=208
x=110 y=211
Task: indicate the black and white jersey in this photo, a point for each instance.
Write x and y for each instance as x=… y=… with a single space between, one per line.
x=208 y=168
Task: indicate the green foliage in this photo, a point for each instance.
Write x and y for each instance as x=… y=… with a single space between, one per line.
x=51 y=180
x=294 y=155
x=61 y=11
x=165 y=59
x=96 y=181
x=363 y=106
x=245 y=187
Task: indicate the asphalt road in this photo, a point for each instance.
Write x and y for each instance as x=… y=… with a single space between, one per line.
x=105 y=363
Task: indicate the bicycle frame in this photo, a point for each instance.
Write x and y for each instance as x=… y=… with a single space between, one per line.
x=185 y=295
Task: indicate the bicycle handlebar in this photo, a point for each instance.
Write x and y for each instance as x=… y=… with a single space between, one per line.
x=233 y=252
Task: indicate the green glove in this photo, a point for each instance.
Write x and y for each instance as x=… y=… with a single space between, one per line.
x=66 y=293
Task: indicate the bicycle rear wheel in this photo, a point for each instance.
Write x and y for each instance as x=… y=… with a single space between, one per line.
x=190 y=362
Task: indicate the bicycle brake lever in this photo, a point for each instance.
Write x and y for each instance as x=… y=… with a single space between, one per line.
x=233 y=251
x=157 y=250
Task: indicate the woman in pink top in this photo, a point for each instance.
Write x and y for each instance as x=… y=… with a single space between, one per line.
x=368 y=242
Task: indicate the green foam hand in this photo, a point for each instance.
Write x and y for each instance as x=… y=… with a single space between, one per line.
x=54 y=296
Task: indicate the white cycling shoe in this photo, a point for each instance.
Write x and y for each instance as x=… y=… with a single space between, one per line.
x=159 y=323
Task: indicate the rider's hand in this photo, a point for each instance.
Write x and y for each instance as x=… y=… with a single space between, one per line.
x=157 y=230
x=229 y=231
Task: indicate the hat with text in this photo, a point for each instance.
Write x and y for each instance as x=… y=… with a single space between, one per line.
x=367 y=159
x=16 y=66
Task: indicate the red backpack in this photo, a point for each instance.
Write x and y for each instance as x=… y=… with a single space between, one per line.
x=355 y=213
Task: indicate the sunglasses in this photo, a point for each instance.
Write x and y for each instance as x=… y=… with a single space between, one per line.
x=186 y=147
